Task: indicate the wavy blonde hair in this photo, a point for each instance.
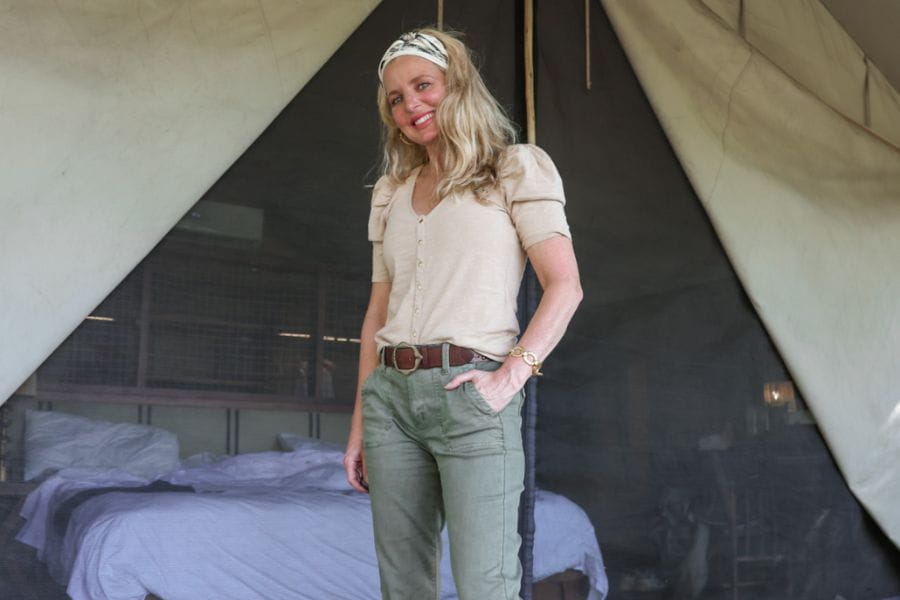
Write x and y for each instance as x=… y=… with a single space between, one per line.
x=474 y=128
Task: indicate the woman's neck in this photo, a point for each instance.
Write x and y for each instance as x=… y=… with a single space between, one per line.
x=433 y=160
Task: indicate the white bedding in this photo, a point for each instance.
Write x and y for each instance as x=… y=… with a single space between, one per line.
x=270 y=525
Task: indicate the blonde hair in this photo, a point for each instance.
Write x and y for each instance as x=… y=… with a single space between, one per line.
x=474 y=128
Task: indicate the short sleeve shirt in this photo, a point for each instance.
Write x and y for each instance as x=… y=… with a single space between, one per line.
x=455 y=272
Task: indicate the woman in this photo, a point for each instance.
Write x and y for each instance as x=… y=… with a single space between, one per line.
x=435 y=434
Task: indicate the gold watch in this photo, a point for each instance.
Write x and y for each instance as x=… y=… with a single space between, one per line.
x=529 y=357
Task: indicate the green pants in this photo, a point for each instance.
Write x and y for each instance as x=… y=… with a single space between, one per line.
x=434 y=455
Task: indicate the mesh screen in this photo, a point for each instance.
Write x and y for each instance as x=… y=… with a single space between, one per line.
x=104 y=349
x=345 y=306
x=214 y=325
x=230 y=327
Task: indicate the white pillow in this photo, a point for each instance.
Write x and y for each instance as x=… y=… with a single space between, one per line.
x=55 y=440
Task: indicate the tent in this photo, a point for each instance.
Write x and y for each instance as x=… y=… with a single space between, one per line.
x=667 y=412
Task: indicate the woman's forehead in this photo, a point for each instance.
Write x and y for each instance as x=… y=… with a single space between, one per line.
x=405 y=69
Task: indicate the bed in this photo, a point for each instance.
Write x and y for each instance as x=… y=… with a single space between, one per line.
x=273 y=525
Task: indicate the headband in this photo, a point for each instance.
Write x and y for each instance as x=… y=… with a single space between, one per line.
x=418 y=44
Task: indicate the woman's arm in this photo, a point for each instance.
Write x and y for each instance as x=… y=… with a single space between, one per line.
x=557 y=271
x=376 y=317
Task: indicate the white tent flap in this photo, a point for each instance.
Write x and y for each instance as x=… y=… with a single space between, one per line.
x=807 y=205
x=804 y=39
x=884 y=107
x=115 y=117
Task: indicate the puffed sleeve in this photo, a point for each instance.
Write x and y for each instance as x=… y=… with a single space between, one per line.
x=381 y=201
x=534 y=194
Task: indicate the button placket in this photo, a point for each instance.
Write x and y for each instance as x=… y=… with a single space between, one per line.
x=419 y=279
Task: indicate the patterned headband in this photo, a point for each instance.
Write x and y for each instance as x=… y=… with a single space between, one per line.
x=418 y=44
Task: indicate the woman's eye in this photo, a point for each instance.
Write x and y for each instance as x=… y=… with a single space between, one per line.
x=395 y=101
x=424 y=85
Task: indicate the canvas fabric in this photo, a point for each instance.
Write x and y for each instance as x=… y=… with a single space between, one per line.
x=806 y=201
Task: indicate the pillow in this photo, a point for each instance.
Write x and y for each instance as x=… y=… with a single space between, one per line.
x=291 y=442
x=55 y=440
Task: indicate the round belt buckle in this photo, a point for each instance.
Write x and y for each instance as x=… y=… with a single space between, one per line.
x=416 y=353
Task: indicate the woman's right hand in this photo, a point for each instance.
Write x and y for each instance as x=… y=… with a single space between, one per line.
x=355 y=464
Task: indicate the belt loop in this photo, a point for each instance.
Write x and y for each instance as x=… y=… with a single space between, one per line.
x=445 y=358
x=381 y=356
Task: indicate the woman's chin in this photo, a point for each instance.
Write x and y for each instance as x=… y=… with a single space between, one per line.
x=427 y=139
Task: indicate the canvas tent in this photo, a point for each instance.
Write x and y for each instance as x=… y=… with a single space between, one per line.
x=656 y=395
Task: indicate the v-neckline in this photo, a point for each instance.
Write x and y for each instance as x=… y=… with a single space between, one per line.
x=412 y=195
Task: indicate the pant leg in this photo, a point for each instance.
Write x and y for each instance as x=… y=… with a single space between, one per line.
x=404 y=486
x=482 y=478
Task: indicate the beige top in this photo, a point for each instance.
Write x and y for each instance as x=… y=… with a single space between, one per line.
x=455 y=272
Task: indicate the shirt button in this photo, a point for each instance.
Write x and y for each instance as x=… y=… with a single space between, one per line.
x=421 y=219
x=420 y=241
x=418 y=286
x=420 y=262
x=417 y=310
x=415 y=335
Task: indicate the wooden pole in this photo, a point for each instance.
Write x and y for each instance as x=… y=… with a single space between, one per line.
x=529 y=412
x=529 y=72
x=440 y=14
x=587 y=44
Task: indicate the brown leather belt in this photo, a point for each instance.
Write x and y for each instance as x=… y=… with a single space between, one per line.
x=407 y=358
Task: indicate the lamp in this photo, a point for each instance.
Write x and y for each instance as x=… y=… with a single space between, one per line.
x=780 y=393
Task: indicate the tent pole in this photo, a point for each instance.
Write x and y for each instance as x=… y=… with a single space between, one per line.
x=440 y=15
x=587 y=44
x=530 y=289
x=529 y=72
x=529 y=444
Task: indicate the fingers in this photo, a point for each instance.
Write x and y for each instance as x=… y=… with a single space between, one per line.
x=462 y=378
x=355 y=469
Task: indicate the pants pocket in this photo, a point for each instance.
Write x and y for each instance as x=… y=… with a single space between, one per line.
x=470 y=424
x=469 y=390
x=378 y=416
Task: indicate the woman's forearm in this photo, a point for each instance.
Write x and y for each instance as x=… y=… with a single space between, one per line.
x=368 y=360
x=376 y=316
x=547 y=325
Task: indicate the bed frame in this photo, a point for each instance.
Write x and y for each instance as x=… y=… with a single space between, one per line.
x=145 y=398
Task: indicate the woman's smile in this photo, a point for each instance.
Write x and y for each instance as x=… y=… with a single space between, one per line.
x=423 y=120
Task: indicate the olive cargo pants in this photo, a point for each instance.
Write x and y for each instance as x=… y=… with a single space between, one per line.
x=431 y=455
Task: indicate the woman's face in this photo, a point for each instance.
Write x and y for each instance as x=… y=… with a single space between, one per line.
x=414 y=88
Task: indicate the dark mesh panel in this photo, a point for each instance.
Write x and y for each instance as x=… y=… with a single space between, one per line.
x=345 y=306
x=104 y=349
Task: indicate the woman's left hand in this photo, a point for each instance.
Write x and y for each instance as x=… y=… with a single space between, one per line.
x=496 y=387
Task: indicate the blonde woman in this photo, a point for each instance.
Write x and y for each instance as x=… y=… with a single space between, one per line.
x=435 y=435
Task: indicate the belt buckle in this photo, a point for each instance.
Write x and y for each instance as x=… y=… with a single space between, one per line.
x=416 y=353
